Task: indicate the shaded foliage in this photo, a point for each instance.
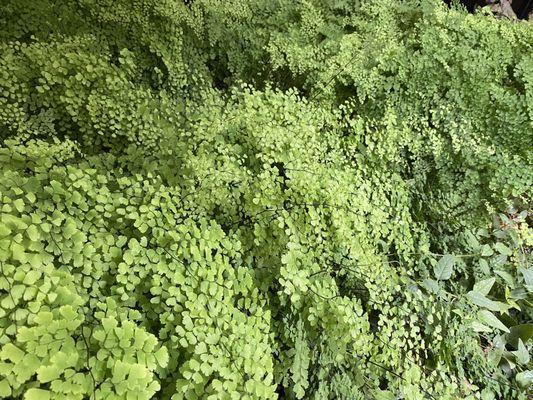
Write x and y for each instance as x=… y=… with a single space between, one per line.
x=250 y=199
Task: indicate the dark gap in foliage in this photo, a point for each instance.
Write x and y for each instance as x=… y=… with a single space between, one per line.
x=392 y=256
x=282 y=173
x=286 y=79
x=344 y=92
x=219 y=72
x=114 y=55
x=514 y=82
x=522 y=8
x=349 y=29
x=280 y=390
x=373 y=320
x=383 y=383
x=470 y=5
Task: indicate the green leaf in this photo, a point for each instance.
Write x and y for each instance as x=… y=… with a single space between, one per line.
x=527 y=273
x=486 y=250
x=4 y=230
x=47 y=373
x=44 y=318
x=507 y=277
x=503 y=249
x=120 y=370
x=431 y=285
x=18 y=252
x=480 y=300
x=37 y=394
x=479 y=327
x=19 y=205
x=161 y=356
x=523 y=332
x=484 y=266
x=522 y=355
x=69 y=229
x=109 y=324
x=5 y=389
x=490 y=319
x=33 y=233
x=484 y=286
x=525 y=378
x=444 y=268
x=472 y=240
x=68 y=312
x=137 y=372
x=32 y=276
x=384 y=395
x=31 y=197
x=12 y=353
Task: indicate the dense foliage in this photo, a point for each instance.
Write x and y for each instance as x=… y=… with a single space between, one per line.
x=249 y=199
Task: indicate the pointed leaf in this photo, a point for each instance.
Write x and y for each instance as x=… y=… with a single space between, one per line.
x=480 y=300
x=490 y=319
x=503 y=249
x=484 y=286
x=443 y=270
x=522 y=355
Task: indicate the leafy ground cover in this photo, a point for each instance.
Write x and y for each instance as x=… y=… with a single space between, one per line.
x=257 y=199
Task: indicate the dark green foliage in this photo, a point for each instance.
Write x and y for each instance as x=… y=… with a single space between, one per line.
x=264 y=199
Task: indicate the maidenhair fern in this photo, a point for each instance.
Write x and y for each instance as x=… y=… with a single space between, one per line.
x=258 y=200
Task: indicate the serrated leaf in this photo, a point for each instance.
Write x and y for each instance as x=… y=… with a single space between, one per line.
x=47 y=373
x=109 y=324
x=69 y=229
x=498 y=261
x=444 y=268
x=384 y=395
x=472 y=241
x=68 y=312
x=31 y=197
x=19 y=205
x=137 y=372
x=4 y=230
x=120 y=370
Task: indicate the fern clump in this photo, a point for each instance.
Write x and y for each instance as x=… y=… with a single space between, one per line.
x=258 y=200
